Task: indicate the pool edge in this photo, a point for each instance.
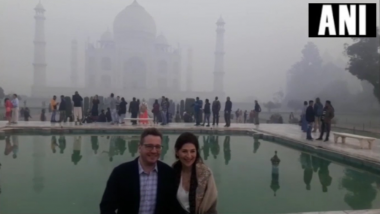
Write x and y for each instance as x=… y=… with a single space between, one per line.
x=338 y=156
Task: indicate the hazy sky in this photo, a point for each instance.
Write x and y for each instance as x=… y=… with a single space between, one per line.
x=262 y=40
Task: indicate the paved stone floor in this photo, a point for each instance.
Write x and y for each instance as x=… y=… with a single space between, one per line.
x=351 y=147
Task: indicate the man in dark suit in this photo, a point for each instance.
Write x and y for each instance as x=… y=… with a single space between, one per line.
x=134 y=110
x=144 y=185
x=227 y=112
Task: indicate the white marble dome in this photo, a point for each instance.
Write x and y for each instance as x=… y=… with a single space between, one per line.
x=106 y=36
x=134 y=20
x=161 y=40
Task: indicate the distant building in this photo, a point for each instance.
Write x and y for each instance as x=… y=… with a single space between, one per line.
x=131 y=61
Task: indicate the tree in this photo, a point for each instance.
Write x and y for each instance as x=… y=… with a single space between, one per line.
x=271 y=105
x=278 y=96
x=305 y=76
x=295 y=104
x=364 y=61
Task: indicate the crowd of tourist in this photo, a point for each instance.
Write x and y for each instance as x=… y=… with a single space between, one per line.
x=115 y=110
x=316 y=117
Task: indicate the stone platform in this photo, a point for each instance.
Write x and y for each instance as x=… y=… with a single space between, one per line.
x=350 y=151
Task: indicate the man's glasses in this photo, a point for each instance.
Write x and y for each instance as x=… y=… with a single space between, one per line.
x=151 y=147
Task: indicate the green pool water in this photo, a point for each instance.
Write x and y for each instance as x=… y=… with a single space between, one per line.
x=67 y=174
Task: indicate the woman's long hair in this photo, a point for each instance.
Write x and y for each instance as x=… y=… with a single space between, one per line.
x=184 y=138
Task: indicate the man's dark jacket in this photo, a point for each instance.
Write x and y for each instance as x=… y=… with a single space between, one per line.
x=77 y=100
x=215 y=106
x=228 y=106
x=133 y=107
x=62 y=105
x=122 y=192
x=310 y=116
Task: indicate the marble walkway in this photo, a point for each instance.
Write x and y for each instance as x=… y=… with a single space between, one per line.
x=351 y=147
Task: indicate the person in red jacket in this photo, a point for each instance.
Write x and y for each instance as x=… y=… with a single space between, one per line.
x=8 y=109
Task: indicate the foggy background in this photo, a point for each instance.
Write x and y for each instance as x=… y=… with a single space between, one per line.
x=263 y=40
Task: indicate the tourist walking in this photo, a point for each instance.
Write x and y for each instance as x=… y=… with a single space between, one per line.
x=310 y=118
x=195 y=184
x=62 y=110
x=215 y=111
x=15 y=109
x=327 y=116
x=227 y=112
x=148 y=185
x=207 y=112
x=77 y=100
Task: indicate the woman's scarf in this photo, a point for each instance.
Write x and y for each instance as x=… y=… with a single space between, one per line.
x=206 y=194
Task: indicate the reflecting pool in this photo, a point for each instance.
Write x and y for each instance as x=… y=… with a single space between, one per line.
x=67 y=174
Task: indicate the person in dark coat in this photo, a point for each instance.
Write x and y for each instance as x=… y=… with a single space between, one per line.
x=129 y=182
x=108 y=115
x=134 y=110
x=77 y=100
x=197 y=105
x=122 y=110
x=207 y=112
x=62 y=110
x=227 y=112
x=156 y=112
x=215 y=111
x=310 y=119
x=327 y=117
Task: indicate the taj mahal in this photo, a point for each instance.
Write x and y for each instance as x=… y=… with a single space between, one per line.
x=132 y=61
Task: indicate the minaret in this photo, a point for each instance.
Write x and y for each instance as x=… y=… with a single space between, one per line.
x=39 y=62
x=189 y=72
x=219 y=57
x=74 y=63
